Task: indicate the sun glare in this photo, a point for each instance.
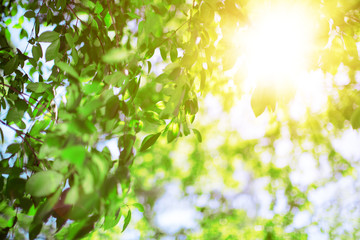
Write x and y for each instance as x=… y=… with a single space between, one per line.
x=278 y=44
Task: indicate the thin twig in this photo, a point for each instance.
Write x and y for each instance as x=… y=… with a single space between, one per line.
x=17 y=91
x=166 y=39
x=21 y=132
x=72 y=10
x=31 y=148
x=23 y=95
x=114 y=24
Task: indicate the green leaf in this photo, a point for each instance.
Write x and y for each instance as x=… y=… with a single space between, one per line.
x=355 y=119
x=52 y=50
x=72 y=196
x=173 y=105
x=116 y=55
x=263 y=96
x=8 y=22
x=13 y=148
x=112 y=216
x=153 y=24
x=43 y=183
x=112 y=107
x=36 y=52
x=23 y=34
x=139 y=206
x=98 y=8
x=172 y=132
x=38 y=87
x=350 y=45
x=74 y=154
x=14 y=115
x=29 y=14
x=11 y=66
x=75 y=56
x=149 y=141
x=68 y=69
x=34 y=230
x=149 y=66
x=60 y=4
x=107 y=20
x=48 y=36
x=173 y=54
x=163 y=53
x=70 y=40
x=133 y=15
x=44 y=210
x=127 y=220
x=197 y=134
x=2 y=136
x=202 y=79
x=153 y=117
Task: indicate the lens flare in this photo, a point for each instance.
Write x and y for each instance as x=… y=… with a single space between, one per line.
x=278 y=44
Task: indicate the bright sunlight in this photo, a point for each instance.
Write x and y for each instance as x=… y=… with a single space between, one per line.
x=278 y=43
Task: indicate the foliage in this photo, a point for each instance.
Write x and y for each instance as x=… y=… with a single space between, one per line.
x=103 y=59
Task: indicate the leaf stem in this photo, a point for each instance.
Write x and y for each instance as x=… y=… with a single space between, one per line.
x=20 y=132
x=72 y=10
x=114 y=24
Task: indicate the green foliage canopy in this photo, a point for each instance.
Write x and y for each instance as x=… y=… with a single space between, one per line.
x=105 y=56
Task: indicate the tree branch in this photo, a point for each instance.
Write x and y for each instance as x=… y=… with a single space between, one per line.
x=23 y=95
x=166 y=39
x=21 y=132
x=114 y=23
x=72 y=10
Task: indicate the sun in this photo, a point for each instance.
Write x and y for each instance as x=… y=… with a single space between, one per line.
x=278 y=43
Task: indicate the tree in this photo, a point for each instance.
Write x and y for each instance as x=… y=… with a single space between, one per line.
x=104 y=59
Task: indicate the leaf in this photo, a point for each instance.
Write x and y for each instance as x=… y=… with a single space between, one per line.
x=149 y=141
x=153 y=24
x=34 y=230
x=149 y=66
x=11 y=66
x=139 y=206
x=173 y=105
x=74 y=154
x=13 y=148
x=44 y=210
x=116 y=55
x=43 y=183
x=153 y=117
x=38 y=87
x=134 y=87
x=52 y=50
x=133 y=15
x=197 y=134
x=68 y=69
x=36 y=52
x=29 y=14
x=108 y=20
x=350 y=45
x=127 y=220
x=262 y=97
x=163 y=53
x=173 y=54
x=355 y=119
x=173 y=132
x=203 y=79
x=14 y=115
x=70 y=40
x=2 y=136
x=48 y=36
x=98 y=8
